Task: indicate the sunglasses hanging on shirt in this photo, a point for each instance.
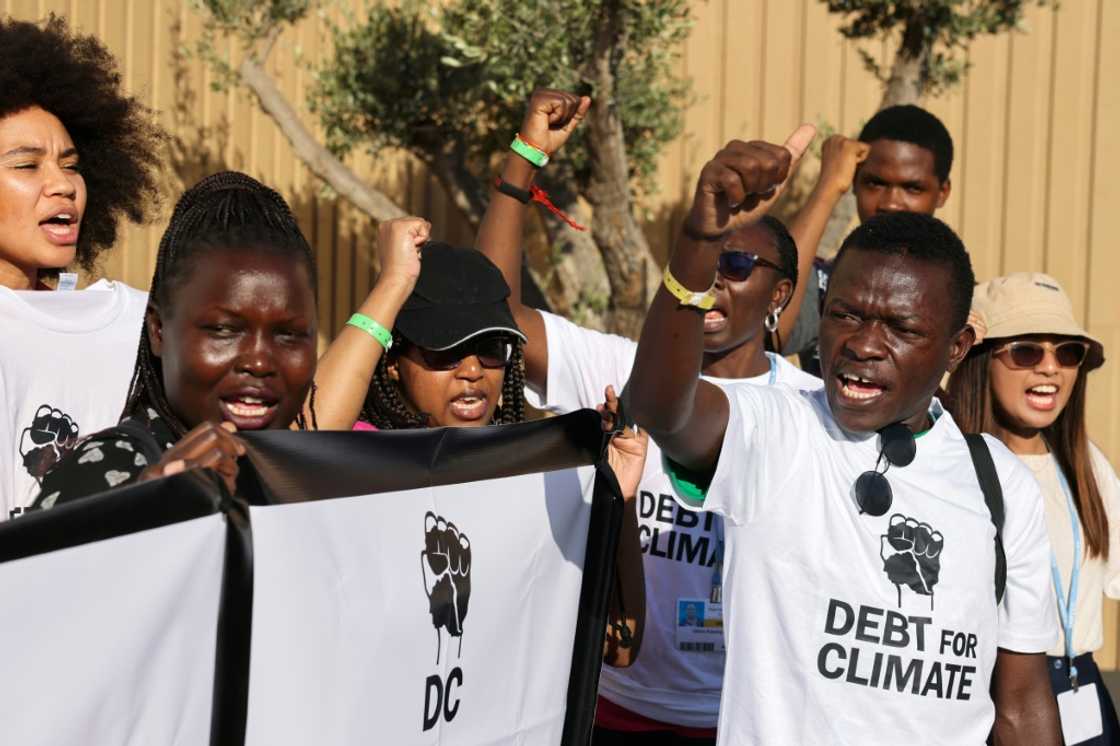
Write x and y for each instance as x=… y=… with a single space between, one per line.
x=897 y=448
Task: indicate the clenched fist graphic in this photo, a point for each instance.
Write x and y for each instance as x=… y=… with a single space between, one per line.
x=46 y=440
x=911 y=553
x=446 y=564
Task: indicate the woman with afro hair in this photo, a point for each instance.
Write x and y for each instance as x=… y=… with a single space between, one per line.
x=76 y=156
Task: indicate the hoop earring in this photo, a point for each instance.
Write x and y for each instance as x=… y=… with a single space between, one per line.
x=771 y=320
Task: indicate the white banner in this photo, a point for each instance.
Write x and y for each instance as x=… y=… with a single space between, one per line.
x=442 y=615
x=112 y=642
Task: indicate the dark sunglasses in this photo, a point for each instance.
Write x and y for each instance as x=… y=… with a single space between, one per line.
x=873 y=492
x=1070 y=354
x=738 y=265
x=492 y=352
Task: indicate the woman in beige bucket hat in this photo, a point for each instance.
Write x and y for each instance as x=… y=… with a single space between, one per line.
x=1025 y=383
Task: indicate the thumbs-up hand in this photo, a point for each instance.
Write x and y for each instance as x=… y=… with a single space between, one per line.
x=551 y=118
x=744 y=179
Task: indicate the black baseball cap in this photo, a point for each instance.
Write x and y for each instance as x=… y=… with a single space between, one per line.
x=460 y=294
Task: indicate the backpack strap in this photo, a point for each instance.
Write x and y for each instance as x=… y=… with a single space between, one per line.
x=993 y=498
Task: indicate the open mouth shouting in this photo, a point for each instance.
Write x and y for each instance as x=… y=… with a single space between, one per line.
x=715 y=320
x=249 y=409
x=470 y=406
x=1043 y=397
x=61 y=228
x=856 y=389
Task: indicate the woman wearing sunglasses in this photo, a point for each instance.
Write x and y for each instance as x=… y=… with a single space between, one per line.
x=1026 y=384
x=671 y=694
x=454 y=359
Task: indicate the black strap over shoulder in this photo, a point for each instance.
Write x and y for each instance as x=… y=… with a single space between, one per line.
x=993 y=498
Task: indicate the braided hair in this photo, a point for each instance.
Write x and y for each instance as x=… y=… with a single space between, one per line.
x=227 y=210
x=385 y=407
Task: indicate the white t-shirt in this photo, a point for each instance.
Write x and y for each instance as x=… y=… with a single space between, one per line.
x=677 y=677
x=66 y=360
x=1098 y=577
x=841 y=629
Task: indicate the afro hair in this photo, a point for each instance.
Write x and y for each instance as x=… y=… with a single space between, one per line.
x=75 y=78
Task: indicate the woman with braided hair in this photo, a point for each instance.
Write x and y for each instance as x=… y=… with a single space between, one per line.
x=454 y=356
x=228 y=344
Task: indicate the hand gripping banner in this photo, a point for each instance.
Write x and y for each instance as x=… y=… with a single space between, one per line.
x=441 y=586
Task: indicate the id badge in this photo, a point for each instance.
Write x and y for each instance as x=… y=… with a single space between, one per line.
x=699 y=626
x=1080 y=712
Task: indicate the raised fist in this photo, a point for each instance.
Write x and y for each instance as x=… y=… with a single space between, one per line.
x=398 y=249
x=47 y=439
x=551 y=118
x=744 y=179
x=840 y=157
x=911 y=553
x=446 y=564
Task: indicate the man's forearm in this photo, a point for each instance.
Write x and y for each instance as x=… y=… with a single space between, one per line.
x=664 y=382
x=1026 y=711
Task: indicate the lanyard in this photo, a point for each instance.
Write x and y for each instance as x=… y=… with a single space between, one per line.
x=1067 y=605
x=716 y=596
x=773 y=369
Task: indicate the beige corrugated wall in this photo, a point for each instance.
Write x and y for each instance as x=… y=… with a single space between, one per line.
x=1035 y=124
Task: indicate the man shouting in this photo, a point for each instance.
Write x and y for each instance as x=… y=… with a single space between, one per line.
x=849 y=509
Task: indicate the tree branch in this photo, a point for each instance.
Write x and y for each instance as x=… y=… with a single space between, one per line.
x=317 y=158
x=626 y=255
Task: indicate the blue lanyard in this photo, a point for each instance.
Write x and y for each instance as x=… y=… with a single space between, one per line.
x=717 y=571
x=773 y=368
x=1067 y=605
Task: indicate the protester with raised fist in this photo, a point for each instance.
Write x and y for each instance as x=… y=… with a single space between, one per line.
x=228 y=344
x=346 y=368
x=899 y=163
x=1026 y=383
x=846 y=619
x=453 y=359
x=77 y=155
x=671 y=695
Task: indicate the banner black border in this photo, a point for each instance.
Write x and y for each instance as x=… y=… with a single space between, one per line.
x=594 y=600
x=267 y=477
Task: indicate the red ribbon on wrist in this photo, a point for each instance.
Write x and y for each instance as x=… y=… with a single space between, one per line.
x=541 y=196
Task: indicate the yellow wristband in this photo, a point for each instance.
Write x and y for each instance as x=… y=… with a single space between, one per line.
x=704 y=301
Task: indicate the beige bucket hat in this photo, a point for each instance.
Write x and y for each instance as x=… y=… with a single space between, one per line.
x=1028 y=303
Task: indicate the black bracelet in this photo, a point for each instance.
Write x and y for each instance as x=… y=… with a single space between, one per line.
x=695 y=235
x=521 y=195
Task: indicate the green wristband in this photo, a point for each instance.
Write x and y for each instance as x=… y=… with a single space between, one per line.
x=536 y=156
x=373 y=329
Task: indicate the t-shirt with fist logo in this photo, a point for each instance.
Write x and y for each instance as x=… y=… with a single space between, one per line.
x=66 y=360
x=844 y=626
x=677 y=677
